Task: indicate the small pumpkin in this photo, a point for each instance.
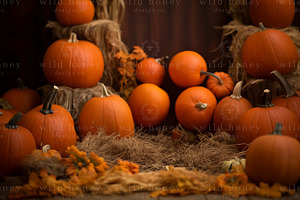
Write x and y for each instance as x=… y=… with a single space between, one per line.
x=74 y=63
x=185 y=69
x=274 y=158
x=220 y=83
x=260 y=121
x=149 y=105
x=74 y=12
x=229 y=110
x=22 y=98
x=272 y=13
x=194 y=108
x=150 y=70
x=16 y=143
x=269 y=50
x=47 y=152
x=110 y=112
x=290 y=99
x=51 y=124
x=235 y=165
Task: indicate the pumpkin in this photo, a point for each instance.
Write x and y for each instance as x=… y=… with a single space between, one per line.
x=260 y=121
x=229 y=110
x=51 y=124
x=4 y=105
x=16 y=143
x=46 y=152
x=110 y=112
x=235 y=165
x=194 y=108
x=149 y=105
x=274 y=158
x=74 y=12
x=269 y=50
x=220 y=83
x=150 y=70
x=185 y=69
x=5 y=116
x=22 y=98
x=272 y=13
x=290 y=99
x=74 y=63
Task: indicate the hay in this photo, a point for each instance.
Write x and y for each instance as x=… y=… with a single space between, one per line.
x=238 y=9
x=105 y=34
x=154 y=152
x=73 y=99
x=110 y=9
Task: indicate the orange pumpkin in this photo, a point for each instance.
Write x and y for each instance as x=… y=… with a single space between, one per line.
x=150 y=70
x=260 y=121
x=274 y=158
x=220 y=83
x=16 y=143
x=194 y=108
x=272 y=13
x=4 y=105
x=269 y=50
x=74 y=12
x=229 y=110
x=74 y=63
x=5 y=116
x=185 y=69
x=149 y=105
x=51 y=124
x=22 y=98
x=110 y=112
x=47 y=152
x=290 y=99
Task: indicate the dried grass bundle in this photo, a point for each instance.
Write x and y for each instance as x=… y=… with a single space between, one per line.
x=238 y=9
x=110 y=9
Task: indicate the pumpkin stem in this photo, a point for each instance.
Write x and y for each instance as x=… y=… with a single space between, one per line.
x=261 y=26
x=201 y=106
x=73 y=38
x=47 y=107
x=236 y=94
x=266 y=100
x=4 y=104
x=162 y=59
x=277 y=129
x=21 y=84
x=104 y=91
x=1 y=113
x=46 y=148
x=12 y=124
x=285 y=85
x=213 y=75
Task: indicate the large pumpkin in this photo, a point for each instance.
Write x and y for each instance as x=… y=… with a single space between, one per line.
x=274 y=158
x=220 y=83
x=16 y=143
x=51 y=124
x=109 y=112
x=194 y=108
x=272 y=13
x=74 y=63
x=269 y=50
x=22 y=98
x=74 y=12
x=149 y=105
x=185 y=69
x=260 y=121
x=229 y=110
x=290 y=99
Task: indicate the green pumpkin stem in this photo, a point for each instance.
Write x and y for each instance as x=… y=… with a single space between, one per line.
x=21 y=84
x=285 y=85
x=266 y=100
x=277 y=129
x=47 y=107
x=201 y=106
x=73 y=38
x=261 y=26
x=104 y=91
x=213 y=75
x=236 y=94
x=12 y=124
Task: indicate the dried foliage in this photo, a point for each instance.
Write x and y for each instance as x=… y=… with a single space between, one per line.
x=110 y=9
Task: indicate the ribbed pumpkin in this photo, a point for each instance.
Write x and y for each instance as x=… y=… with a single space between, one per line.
x=51 y=124
x=260 y=121
x=185 y=69
x=290 y=99
x=46 y=152
x=5 y=116
x=22 y=98
x=74 y=63
x=109 y=112
x=272 y=13
x=219 y=83
x=229 y=110
x=74 y=12
x=149 y=105
x=274 y=158
x=269 y=50
x=16 y=143
x=194 y=108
